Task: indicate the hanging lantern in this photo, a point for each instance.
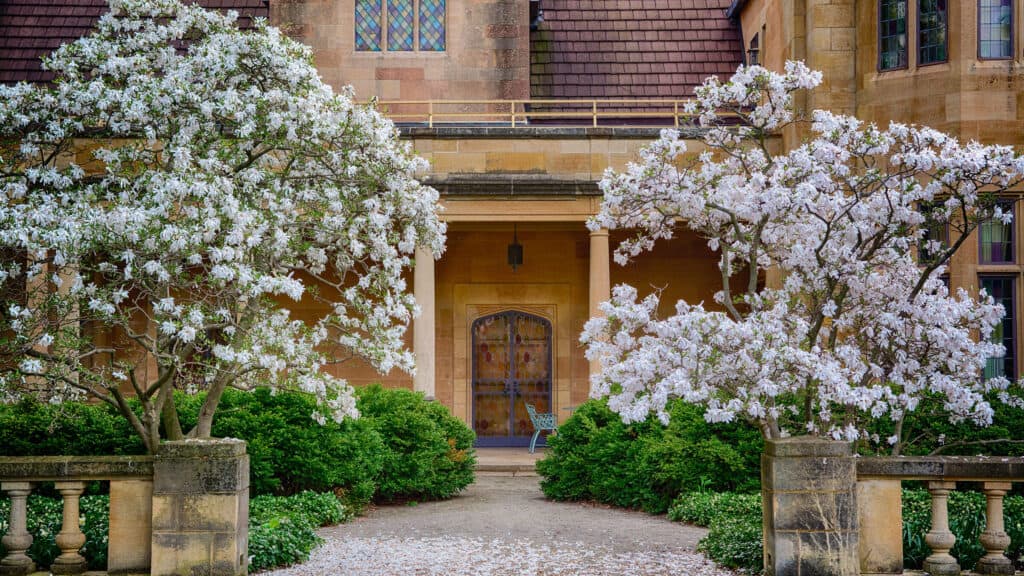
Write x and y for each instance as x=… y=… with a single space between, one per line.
x=515 y=251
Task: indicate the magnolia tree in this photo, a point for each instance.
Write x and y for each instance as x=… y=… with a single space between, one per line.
x=172 y=199
x=858 y=327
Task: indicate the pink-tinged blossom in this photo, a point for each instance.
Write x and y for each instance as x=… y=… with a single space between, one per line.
x=857 y=328
x=232 y=185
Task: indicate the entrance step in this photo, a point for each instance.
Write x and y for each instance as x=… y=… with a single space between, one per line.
x=507 y=461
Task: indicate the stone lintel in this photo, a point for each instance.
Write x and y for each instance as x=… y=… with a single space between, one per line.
x=72 y=468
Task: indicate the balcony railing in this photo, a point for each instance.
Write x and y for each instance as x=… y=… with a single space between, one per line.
x=634 y=113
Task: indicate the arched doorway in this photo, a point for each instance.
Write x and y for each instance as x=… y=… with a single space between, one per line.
x=511 y=367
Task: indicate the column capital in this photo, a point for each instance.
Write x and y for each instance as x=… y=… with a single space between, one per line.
x=599 y=232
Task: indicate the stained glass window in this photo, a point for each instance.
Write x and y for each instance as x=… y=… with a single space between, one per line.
x=995 y=26
x=432 y=25
x=368 y=16
x=410 y=25
x=931 y=31
x=1000 y=288
x=996 y=239
x=892 y=34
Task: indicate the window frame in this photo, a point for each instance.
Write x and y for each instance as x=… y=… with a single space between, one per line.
x=384 y=24
x=945 y=26
x=1013 y=47
x=1012 y=242
x=1011 y=315
x=906 y=31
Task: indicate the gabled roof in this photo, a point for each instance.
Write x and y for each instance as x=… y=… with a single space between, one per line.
x=631 y=48
x=31 y=29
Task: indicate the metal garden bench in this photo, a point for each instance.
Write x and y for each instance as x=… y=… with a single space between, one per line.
x=541 y=422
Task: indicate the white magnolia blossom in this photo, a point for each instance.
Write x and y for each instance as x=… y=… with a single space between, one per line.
x=857 y=328
x=184 y=188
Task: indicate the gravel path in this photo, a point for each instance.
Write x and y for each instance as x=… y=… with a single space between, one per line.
x=502 y=525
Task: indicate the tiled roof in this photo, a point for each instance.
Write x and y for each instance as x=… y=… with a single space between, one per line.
x=631 y=48
x=31 y=29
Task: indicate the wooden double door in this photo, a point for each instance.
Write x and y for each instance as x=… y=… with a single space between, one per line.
x=511 y=358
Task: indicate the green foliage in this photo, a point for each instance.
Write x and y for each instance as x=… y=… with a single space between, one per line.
x=289 y=452
x=645 y=465
x=30 y=428
x=282 y=530
x=403 y=448
x=45 y=516
x=734 y=526
x=428 y=453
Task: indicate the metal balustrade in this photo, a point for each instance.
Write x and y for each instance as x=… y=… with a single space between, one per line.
x=636 y=113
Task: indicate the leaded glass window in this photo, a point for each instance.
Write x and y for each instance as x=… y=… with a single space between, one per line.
x=892 y=34
x=996 y=239
x=931 y=31
x=995 y=29
x=409 y=25
x=1000 y=288
x=368 y=17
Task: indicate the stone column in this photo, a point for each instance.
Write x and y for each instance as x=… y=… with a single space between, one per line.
x=70 y=539
x=994 y=538
x=880 y=518
x=600 y=278
x=200 y=508
x=809 y=486
x=131 y=527
x=940 y=539
x=423 y=337
x=17 y=540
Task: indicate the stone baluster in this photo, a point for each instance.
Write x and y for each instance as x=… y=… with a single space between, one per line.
x=994 y=538
x=70 y=539
x=940 y=539
x=17 y=540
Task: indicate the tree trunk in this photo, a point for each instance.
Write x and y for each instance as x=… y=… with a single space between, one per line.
x=204 y=424
x=169 y=416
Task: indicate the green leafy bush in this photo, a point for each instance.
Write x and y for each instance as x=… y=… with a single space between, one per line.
x=30 y=428
x=282 y=530
x=734 y=526
x=428 y=453
x=645 y=465
x=289 y=452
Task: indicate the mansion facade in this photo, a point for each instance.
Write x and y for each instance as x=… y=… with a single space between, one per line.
x=521 y=105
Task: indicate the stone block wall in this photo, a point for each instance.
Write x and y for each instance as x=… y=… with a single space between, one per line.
x=487 y=55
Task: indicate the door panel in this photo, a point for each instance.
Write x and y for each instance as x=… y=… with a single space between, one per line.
x=511 y=366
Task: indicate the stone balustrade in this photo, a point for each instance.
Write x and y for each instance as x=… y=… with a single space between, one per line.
x=131 y=495
x=879 y=503
x=183 y=511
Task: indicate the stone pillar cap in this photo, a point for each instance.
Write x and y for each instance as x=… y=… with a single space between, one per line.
x=797 y=446
x=202 y=448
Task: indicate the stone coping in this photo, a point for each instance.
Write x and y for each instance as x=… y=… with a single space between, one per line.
x=56 y=468
x=945 y=468
x=455 y=132
x=807 y=447
x=511 y=185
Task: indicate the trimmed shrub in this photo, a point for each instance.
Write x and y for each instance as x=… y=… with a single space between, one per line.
x=428 y=453
x=646 y=465
x=30 y=428
x=289 y=452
